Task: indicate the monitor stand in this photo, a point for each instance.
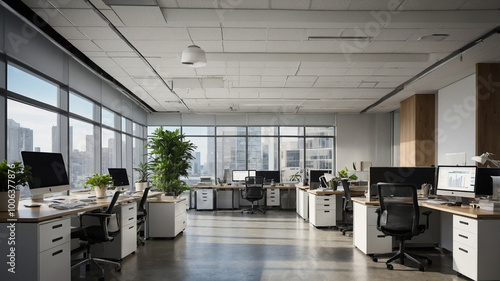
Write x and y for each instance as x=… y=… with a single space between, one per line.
x=466 y=201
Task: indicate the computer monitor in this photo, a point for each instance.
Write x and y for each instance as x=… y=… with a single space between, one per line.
x=120 y=178
x=456 y=181
x=240 y=175
x=269 y=176
x=410 y=175
x=484 y=182
x=314 y=181
x=48 y=173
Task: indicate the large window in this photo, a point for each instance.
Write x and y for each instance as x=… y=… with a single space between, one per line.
x=82 y=152
x=30 y=128
x=109 y=150
x=29 y=85
x=81 y=106
x=204 y=163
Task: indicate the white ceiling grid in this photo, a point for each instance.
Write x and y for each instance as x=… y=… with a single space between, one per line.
x=260 y=54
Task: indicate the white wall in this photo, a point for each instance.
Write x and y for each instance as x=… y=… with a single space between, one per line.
x=365 y=137
x=456 y=122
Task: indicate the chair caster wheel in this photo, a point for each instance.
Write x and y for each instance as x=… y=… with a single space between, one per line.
x=390 y=267
x=429 y=262
x=421 y=268
x=374 y=259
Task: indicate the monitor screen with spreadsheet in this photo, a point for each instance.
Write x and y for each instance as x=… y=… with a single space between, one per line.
x=456 y=181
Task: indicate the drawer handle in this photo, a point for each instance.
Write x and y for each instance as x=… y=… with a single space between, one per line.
x=57 y=226
x=463 y=250
x=130 y=219
x=57 y=253
x=131 y=208
x=327 y=211
x=131 y=227
x=463 y=236
x=464 y=222
x=326 y=199
x=327 y=205
x=57 y=239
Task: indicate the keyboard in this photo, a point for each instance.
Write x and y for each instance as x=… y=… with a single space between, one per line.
x=68 y=206
x=434 y=201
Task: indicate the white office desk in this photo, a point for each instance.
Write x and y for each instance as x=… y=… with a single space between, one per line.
x=42 y=238
x=476 y=245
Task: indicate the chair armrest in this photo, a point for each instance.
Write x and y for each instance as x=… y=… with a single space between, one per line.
x=427 y=213
x=101 y=216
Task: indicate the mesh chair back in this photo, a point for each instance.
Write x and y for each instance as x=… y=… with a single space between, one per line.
x=347 y=194
x=143 y=200
x=399 y=212
x=254 y=187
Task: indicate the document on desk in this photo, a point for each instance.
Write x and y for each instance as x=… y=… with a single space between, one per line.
x=68 y=206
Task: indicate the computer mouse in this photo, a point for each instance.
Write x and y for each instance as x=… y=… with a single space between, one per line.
x=450 y=204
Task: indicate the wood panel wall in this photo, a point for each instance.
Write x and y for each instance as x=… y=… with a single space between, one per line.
x=488 y=109
x=417 y=126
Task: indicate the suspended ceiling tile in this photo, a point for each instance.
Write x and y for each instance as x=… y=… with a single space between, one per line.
x=272 y=84
x=286 y=34
x=432 y=5
x=481 y=5
x=155 y=33
x=167 y=3
x=113 y=17
x=429 y=47
x=290 y=4
x=140 y=15
x=112 y=45
x=465 y=35
x=250 y=78
x=396 y=72
x=244 y=34
x=383 y=46
x=129 y=62
x=179 y=71
x=368 y=5
x=105 y=62
x=104 y=33
x=330 y=5
x=85 y=45
x=284 y=47
x=211 y=71
x=274 y=78
x=205 y=34
x=209 y=46
x=83 y=17
x=115 y=71
x=53 y=17
x=244 y=4
x=360 y=71
x=198 y=4
x=71 y=33
x=243 y=46
x=139 y=71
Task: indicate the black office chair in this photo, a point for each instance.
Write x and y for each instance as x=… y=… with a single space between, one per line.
x=107 y=228
x=254 y=191
x=347 y=209
x=141 y=217
x=399 y=216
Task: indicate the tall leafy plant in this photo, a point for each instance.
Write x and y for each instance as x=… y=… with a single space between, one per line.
x=170 y=158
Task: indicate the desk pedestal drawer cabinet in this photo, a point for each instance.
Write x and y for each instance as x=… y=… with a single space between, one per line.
x=302 y=203
x=43 y=250
x=124 y=243
x=322 y=210
x=166 y=218
x=204 y=199
x=365 y=231
x=478 y=259
x=272 y=197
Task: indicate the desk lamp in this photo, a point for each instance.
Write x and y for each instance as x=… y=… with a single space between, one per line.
x=486 y=157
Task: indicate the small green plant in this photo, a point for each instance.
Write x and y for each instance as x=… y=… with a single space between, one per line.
x=98 y=180
x=13 y=175
x=143 y=170
x=295 y=177
x=342 y=174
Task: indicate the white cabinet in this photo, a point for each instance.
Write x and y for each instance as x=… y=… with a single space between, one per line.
x=204 y=199
x=365 y=231
x=302 y=203
x=42 y=250
x=125 y=242
x=225 y=199
x=322 y=210
x=476 y=258
x=272 y=197
x=166 y=218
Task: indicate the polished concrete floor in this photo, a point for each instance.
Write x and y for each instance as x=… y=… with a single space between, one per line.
x=278 y=245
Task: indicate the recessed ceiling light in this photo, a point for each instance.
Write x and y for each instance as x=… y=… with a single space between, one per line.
x=339 y=38
x=434 y=37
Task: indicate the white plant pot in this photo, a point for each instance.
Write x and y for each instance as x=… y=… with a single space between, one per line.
x=9 y=202
x=140 y=186
x=100 y=192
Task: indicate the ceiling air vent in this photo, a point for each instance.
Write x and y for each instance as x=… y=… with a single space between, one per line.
x=434 y=37
x=339 y=38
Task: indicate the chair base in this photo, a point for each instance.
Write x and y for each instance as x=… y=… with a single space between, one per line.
x=402 y=255
x=88 y=259
x=250 y=210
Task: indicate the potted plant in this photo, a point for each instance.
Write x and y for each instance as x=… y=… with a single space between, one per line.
x=170 y=159
x=99 y=183
x=143 y=170
x=11 y=176
x=343 y=174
